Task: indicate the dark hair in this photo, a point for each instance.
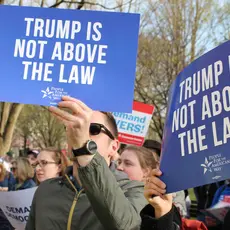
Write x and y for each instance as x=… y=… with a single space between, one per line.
x=145 y=156
x=155 y=146
x=122 y=146
x=112 y=123
x=33 y=152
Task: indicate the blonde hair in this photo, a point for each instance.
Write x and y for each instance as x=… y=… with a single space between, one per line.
x=59 y=158
x=3 y=172
x=24 y=170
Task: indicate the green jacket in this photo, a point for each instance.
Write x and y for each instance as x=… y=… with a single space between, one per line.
x=109 y=201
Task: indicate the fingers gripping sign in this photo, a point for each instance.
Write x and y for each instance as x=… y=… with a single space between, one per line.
x=154 y=186
x=155 y=191
x=77 y=122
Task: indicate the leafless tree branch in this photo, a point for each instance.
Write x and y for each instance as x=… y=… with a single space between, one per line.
x=82 y=2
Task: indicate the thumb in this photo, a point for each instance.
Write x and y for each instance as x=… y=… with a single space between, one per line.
x=155 y=200
x=169 y=197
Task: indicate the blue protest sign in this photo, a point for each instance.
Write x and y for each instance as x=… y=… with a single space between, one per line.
x=196 y=143
x=47 y=53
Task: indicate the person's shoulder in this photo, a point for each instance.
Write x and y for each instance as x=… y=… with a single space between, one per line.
x=47 y=186
x=131 y=184
x=32 y=183
x=51 y=182
x=125 y=183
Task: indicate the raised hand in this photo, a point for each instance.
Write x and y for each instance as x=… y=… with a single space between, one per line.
x=77 y=122
x=155 y=194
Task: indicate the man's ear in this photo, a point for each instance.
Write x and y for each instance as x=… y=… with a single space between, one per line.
x=115 y=145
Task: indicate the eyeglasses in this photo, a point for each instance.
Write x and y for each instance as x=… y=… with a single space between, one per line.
x=43 y=163
x=96 y=129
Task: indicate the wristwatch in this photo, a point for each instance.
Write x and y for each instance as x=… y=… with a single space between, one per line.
x=89 y=148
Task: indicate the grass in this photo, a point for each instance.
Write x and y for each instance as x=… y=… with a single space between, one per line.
x=191 y=194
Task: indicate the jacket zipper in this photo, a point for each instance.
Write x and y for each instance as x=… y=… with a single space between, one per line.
x=76 y=197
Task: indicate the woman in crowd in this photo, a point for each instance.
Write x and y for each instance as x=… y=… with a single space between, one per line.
x=7 y=180
x=50 y=163
x=24 y=173
x=137 y=162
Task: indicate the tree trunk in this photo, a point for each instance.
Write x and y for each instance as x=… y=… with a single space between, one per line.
x=9 y=116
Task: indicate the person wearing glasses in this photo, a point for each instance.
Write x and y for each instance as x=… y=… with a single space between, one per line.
x=50 y=163
x=24 y=174
x=93 y=195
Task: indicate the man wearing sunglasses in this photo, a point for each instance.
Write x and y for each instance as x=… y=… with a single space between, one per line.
x=94 y=195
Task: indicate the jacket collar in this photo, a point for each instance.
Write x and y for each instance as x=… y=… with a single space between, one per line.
x=113 y=167
x=73 y=181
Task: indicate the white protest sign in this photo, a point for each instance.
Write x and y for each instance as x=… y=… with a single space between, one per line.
x=220 y=210
x=16 y=206
x=133 y=127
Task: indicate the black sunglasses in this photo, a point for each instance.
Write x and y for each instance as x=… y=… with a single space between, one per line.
x=96 y=129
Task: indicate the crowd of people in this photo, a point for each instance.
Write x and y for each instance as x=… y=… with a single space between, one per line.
x=101 y=186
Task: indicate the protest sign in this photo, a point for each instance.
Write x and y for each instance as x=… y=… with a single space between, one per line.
x=49 y=53
x=16 y=206
x=218 y=212
x=196 y=139
x=133 y=127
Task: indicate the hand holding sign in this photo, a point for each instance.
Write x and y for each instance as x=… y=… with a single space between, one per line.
x=154 y=186
x=77 y=123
